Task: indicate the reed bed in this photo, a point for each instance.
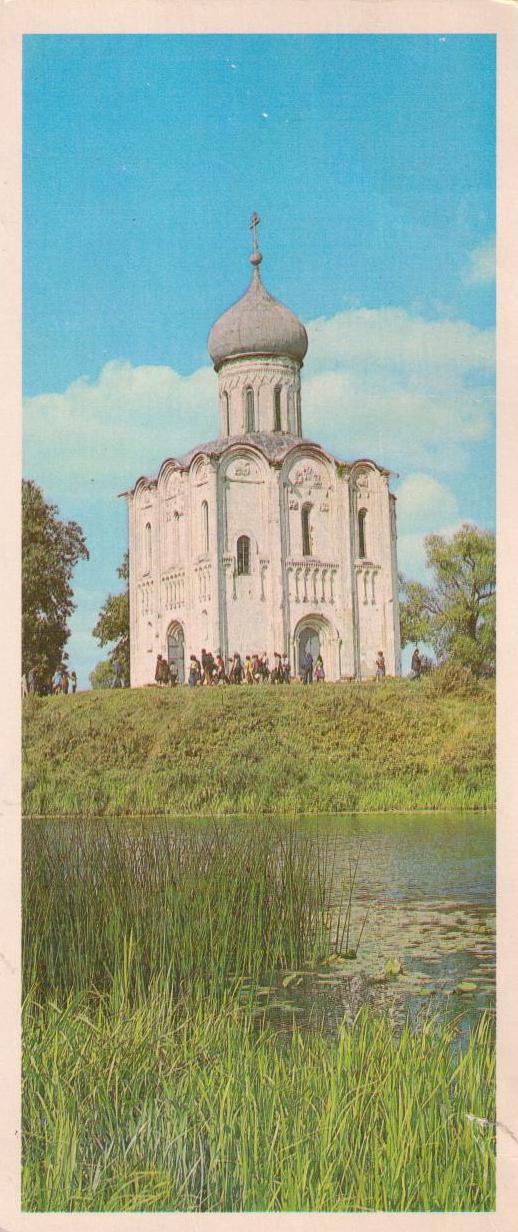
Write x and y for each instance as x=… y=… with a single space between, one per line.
x=191 y=908
x=148 y=1085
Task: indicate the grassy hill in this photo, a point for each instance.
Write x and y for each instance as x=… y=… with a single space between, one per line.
x=211 y=752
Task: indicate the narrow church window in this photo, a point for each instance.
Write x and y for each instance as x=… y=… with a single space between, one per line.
x=226 y=414
x=205 y=527
x=362 y=542
x=147 y=547
x=299 y=418
x=249 y=411
x=306 y=530
x=243 y=554
x=277 y=409
x=291 y=425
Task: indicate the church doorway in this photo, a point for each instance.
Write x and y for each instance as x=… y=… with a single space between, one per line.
x=176 y=651
x=309 y=640
x=315 y=634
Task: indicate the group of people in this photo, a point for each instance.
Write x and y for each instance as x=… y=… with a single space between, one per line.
x=312 y=668
x=37 y=681
x=212 y=669
x=417 y=665
x=165 y=673
x=63 y=680
x=256 y=669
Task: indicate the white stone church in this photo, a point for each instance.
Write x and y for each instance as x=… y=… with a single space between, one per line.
x=261 y=540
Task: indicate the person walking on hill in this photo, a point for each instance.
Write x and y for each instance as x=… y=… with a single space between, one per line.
x=220 y=674
x=194 y=671
x=416 y=665
x=307 y=668
x=73 y=682
x=319 y=669
x=380 y=666
x=286 y=669
x=117 y=680
x=236 y=670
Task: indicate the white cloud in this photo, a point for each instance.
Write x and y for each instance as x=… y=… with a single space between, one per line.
x=424 y=506
x=103 y=434
x=481 y=266
x=409 y=392
x=413 y=394
x=392 y=336
x=423 y=503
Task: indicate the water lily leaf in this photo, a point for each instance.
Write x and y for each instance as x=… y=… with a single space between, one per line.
x=393 y=967
x=466 y=986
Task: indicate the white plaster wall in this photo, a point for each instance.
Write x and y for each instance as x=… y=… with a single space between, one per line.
x=376 y=575
x=352 y=602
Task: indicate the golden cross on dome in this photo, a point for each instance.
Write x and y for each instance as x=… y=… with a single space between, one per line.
x=253 y=224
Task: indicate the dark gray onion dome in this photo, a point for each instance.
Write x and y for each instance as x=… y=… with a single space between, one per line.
x=257 y=325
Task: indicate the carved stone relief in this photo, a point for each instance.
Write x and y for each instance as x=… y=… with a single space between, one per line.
x=307 y=474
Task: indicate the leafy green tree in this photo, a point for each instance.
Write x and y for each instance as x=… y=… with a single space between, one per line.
x=457 y=613
x=51 y=549
x=102 y=675
x=113 y=622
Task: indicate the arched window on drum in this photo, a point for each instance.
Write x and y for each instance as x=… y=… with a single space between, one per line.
x=243 y=554
x=204 y=527
x=225 y=405
x=249 y=410
x=362 y=534
x=147 y=548
x=277 y=409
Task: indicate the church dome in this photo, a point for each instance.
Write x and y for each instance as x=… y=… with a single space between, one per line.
x=257 y=325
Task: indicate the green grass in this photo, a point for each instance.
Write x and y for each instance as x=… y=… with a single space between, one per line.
x=147 y=1083
x=147 y=1110
x=265 y=750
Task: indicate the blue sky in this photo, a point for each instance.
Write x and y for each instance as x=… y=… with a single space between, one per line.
x=371 y=160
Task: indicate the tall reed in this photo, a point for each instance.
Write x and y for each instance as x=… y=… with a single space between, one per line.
x=192 y=907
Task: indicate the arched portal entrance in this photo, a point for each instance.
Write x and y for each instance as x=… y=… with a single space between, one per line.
x=316 y=634
x=176 y=651
x=308 y=639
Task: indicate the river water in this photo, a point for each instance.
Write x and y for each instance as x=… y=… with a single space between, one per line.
x=424 y=899
x=425 y=896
